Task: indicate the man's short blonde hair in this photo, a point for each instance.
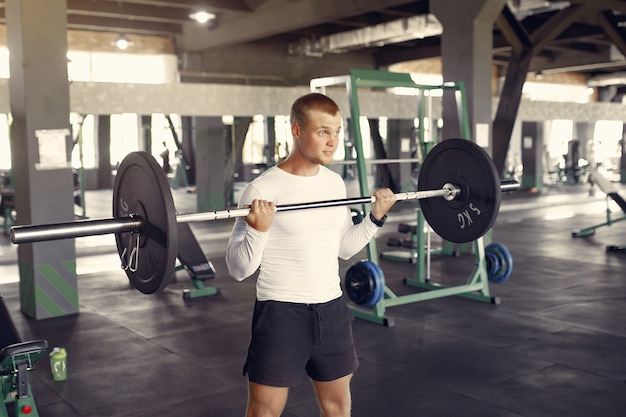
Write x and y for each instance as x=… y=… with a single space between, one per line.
x=311 y=101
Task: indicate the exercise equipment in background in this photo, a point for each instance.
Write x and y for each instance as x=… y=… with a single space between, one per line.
x=193 y=260
x=17 y=359
x=611 y=193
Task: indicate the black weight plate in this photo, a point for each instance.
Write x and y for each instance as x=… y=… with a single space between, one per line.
x=365 y=283
x=472 y=213
x=359 y=283
x=141 y=189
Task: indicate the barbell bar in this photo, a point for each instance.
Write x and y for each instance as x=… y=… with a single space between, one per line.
x=134 y=223
x=145 y=220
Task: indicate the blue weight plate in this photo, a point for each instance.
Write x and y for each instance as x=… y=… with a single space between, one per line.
x=141 y=189
x=379 y=283
x=504 y=259
x=493 y=263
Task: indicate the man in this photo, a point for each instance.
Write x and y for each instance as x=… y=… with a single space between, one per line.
x=301 y=321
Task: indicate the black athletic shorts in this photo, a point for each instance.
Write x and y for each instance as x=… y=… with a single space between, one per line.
x=288 y=338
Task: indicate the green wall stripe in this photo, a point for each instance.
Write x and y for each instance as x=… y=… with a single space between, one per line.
x=70 y=266
x=68 y=291
x=47 y=304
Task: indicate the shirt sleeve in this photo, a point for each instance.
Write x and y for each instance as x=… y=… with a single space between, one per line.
x=355 y=236
x=246 y=244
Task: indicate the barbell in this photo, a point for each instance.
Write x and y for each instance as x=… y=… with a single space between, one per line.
x=145 y=221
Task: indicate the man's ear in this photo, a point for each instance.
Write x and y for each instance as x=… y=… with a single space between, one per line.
x=295 y=130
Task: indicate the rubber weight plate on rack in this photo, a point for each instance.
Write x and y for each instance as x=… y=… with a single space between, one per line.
x=141 y=189
x=493 y=263
x=365 y=283
x=472 y=212
x=499 y=262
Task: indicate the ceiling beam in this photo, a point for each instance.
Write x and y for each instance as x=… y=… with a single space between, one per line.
x=393 y=54
x=127 y=11
x=100 y=24
x=393 y=32
x=602 y=5
x=556 y=25
x=513 y=31
x=211 y=5
x=275 y=19
x=615 y=34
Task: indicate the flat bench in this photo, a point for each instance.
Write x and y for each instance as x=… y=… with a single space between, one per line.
x=194 y=261
x=611 y=192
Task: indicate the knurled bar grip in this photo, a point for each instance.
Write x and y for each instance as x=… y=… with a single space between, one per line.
x=227 y=214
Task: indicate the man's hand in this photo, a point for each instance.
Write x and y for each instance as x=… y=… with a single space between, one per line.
x=385 y=198
x=261 y=215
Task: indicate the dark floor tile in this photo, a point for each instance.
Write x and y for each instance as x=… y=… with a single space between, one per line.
x=587 y=350
x=405 y=396
x=60 y=408
x=230 y=403
x=92 y=349
x=187 y=318
x=60 y=331
x=558 y=391
x=601 y=315
x=455 y=364
x=125 y=387
x=209 y=347
x=370 y=336
x=496 y=327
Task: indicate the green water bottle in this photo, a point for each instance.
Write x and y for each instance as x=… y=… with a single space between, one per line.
x=58 y=364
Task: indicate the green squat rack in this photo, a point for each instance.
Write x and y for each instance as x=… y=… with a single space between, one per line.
x=364 y=281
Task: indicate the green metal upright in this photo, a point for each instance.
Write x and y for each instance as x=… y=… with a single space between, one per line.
x=477 y=286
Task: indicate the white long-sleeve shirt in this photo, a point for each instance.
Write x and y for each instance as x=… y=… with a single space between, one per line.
x=298 y=256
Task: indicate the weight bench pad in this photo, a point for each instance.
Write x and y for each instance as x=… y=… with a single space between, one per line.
x=23 y=348
x=190 y=254
x=619 y=200
x=608 y=188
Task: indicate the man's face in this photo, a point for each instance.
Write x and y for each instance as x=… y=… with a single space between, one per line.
x=319 y=137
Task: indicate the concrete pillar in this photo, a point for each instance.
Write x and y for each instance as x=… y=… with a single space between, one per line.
x=210 y=162
x=583 y=132
x=399 y=141
x=103 y=143
x=532 y=156
x=270 y=147
x=40 y=148
x=188 y=148
x=145 y=133
x=466 y=49
x=622 y=157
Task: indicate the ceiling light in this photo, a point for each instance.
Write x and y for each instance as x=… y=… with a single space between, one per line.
x=202 y=16
x=122 y=43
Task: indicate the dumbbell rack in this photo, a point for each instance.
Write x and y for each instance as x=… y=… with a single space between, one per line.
x=410 y=243
x=477 y=285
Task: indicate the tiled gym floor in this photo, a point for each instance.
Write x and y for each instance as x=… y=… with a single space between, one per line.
x=554 y=346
